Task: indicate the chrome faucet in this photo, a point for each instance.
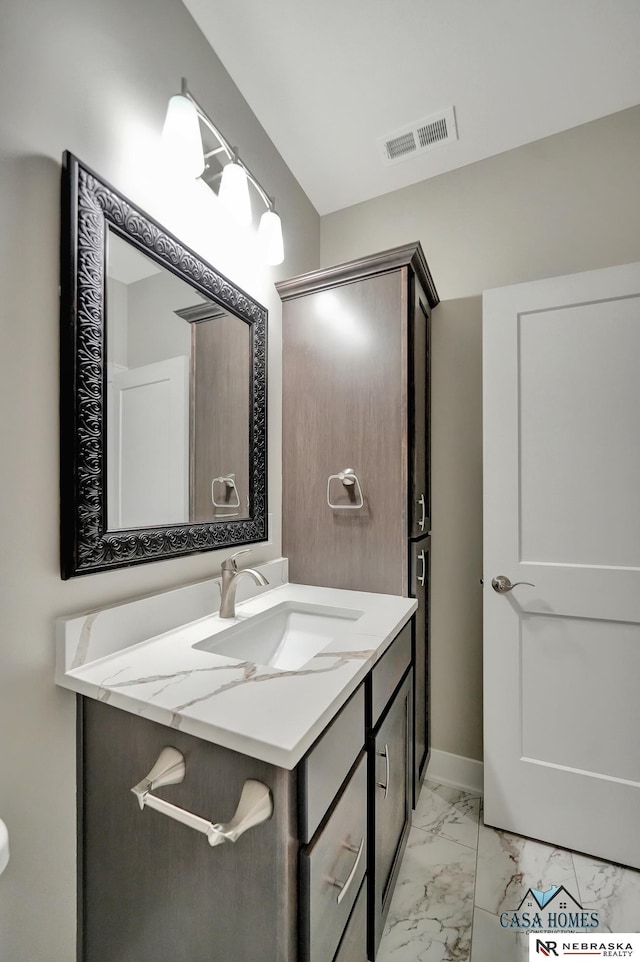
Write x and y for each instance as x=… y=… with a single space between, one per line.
x=230 y=576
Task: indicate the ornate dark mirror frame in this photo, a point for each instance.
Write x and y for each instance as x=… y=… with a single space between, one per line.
x=89 y=208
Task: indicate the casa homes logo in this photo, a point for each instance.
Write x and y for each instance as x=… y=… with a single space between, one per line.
x=610 y=946
x=554 y=909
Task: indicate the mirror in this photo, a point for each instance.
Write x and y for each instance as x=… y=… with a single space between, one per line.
x=178 y=391
x=163 y=391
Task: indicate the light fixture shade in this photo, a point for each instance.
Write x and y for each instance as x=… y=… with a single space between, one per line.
x=270 y=238
x=234 y=193
x=181 y=138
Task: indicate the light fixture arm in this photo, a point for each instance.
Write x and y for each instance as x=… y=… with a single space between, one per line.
x=225 y=146
x=268 y=201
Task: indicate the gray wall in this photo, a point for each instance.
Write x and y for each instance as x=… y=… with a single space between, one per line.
x=567 y=203
x=155 y=331
x=94 y=78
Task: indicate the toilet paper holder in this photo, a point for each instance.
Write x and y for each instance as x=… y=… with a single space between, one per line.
x=254 y=807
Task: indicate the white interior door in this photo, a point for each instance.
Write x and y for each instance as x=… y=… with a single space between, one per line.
x=148 y=447
x=561 y=373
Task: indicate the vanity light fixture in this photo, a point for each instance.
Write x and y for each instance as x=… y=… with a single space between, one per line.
x=234 y=191
x=181 y=138
x=186 y=151
x=270 y=238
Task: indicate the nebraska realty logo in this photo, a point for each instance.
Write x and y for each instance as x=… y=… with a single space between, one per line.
x=616 y=946
x=554 y=909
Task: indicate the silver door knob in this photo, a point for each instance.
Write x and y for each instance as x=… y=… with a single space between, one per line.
x=501 y=584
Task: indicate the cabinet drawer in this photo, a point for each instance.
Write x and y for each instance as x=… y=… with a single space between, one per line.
x=353 y=947
x=387 y=674
x=390 y=758
x=337 y=853
x=327 y=764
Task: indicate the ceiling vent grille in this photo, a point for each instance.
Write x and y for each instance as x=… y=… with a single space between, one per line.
x=400 y=146
x=419 y=137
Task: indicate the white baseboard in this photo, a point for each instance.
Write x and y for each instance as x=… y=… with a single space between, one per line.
x=456 y=771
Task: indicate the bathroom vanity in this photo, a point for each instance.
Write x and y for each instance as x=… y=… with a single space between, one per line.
x=331 y=739
x=245 y=777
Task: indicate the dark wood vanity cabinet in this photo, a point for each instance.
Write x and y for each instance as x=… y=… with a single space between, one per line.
x=311 y=884
x=390 y=751
x=333 y=827
x=389 y=745
x=151 y=888
x=420 y=573
x=332 y=869
x=418 y=415
x=355 y=358
x=353 y=947
x=356 y=361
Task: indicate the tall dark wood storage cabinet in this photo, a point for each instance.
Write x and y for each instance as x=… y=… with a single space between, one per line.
x=356 y=499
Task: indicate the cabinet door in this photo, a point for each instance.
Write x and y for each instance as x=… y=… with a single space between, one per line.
x=419 y=483
x=390 y=767
x=343 y=407
x=420 y=565
x=152 y=889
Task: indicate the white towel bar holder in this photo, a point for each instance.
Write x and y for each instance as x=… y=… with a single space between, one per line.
x=348 y=478
x=255 y=805
x=230 y=486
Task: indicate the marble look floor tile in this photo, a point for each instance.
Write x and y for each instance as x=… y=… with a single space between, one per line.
x=448 y=812
x=431 y=912
x=492 y=943
x=613 y=890
x=510 y=864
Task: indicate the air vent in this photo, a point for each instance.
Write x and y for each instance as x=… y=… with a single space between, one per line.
x=420 y=137
x=400 y=146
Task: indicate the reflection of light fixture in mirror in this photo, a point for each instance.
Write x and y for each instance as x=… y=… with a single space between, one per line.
x=181 y=137
x=235 y=179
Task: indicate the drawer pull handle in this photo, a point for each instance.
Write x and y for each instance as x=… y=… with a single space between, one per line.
x=255 y=805
x=344 y=886
x=423 y=505
x=422 y=577
x=387 y=765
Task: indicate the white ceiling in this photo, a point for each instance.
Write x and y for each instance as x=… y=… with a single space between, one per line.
x=328 y=78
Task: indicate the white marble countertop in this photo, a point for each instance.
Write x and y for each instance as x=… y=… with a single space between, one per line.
x=264 y=712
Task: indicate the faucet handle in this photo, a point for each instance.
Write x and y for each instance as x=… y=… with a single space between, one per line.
x=230 y=564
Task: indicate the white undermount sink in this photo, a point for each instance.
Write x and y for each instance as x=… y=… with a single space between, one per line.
x=285 y=637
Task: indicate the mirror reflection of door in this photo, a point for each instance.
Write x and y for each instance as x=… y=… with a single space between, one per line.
x=148 y=410
x=178 y=398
